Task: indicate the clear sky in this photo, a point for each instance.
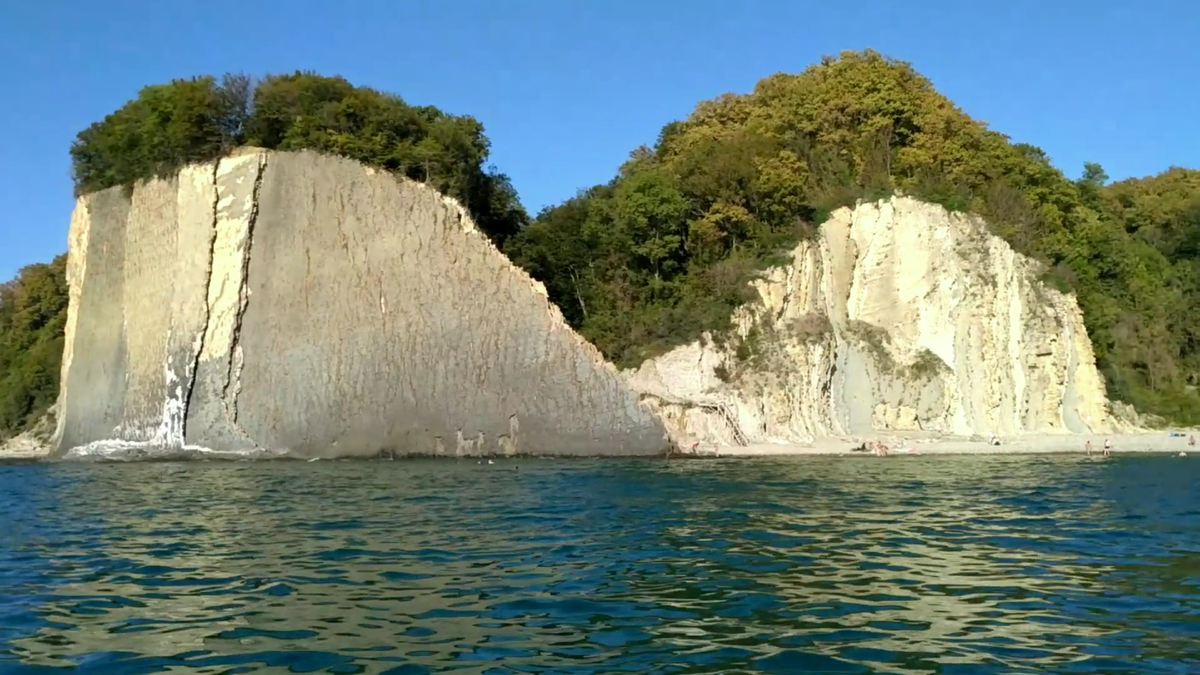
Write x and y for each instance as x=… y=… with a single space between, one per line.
x=567 y=88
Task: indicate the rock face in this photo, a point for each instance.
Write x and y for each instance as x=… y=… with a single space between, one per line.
x=898 y=317
x=299 y=303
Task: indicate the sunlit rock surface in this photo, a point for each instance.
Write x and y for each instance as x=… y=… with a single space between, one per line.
x=297 y=303
x=898 y=317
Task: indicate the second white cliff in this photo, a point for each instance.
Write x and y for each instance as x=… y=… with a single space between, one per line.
x=898 y=317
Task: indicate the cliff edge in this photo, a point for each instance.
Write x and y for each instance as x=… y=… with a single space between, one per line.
x=898 y=317
x=300 y=303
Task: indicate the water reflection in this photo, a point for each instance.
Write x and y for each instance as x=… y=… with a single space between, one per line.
x=912 y=565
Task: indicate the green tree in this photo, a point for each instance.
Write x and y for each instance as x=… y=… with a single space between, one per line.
x=33 y=313
x=650 y=212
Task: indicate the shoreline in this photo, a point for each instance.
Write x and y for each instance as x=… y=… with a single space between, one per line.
x=1158 y=442
x=899 y=445
x=22 y=447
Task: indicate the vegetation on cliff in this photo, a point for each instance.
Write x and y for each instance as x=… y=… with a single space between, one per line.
x=170 y=125
x=661 y=252
x=1156 y=347
x=33 y=312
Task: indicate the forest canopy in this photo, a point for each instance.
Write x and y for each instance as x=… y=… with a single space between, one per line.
x=664 y=250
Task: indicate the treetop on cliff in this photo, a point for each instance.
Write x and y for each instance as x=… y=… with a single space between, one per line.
x=194 y=120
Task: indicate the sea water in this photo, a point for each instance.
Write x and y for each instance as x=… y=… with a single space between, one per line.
x=951 y=565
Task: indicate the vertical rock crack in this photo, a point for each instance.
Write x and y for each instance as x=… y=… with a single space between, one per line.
x=233 y=375
x=198 y=343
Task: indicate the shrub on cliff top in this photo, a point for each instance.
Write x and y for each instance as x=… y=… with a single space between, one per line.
x=184 y=121
x=663 y=251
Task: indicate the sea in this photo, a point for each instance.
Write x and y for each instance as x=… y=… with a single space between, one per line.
x=926 y=564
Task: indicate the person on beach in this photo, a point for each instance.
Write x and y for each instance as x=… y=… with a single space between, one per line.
x=1107 y=447
x=876 y=448
x=1088 y=447
x=1192 y=440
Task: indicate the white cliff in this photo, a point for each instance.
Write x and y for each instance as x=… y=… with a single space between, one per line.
x=289 y=302
x=898 y=317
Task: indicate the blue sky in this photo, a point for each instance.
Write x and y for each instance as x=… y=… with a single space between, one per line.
x=567 y=88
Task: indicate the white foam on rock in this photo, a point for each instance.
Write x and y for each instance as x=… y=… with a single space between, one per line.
x=168 y=440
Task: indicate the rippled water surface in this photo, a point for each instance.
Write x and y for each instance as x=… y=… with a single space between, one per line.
x=809 y=565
